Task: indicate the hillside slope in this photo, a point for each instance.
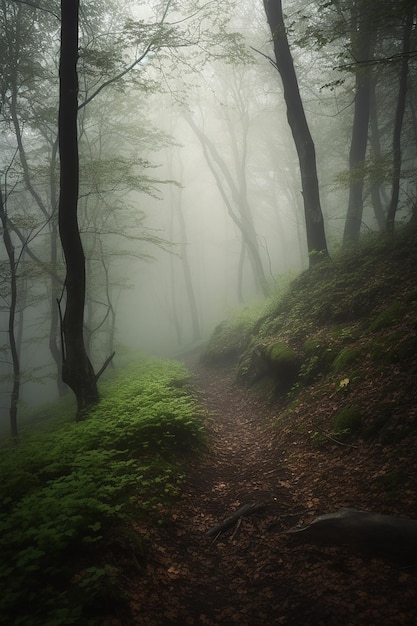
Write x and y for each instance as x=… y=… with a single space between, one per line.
x=336 y=356
x=310 y=408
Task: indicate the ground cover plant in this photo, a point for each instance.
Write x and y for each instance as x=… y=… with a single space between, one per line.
x=343 y=435
x=66 y=494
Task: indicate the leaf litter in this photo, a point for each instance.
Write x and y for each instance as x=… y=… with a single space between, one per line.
x=250 y=574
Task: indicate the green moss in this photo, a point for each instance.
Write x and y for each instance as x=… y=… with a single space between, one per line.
x=343 y=334
x=405 y=349
x=393 y=348
x=284 y=365
x=346 y=357
x=389 y=317
x=281 y=355
x=232 y=336
x=319 y=358
x=276 y=361
x=411 y=296
x=348 y=420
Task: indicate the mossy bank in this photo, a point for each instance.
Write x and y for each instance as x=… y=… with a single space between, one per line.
x=340 y=341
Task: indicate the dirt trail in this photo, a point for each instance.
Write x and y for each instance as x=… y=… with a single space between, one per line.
x=250 y=575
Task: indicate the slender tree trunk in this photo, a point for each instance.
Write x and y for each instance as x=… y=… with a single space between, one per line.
x=316 y=238
x=195 y=320
x=240 y=266
x=55 y=285
x=362 y=46
x=14 y=395
x=175 y=315
x=242 y=218
x=377 y=155
x=399 y=117
x=77 y=371
x=240 y=158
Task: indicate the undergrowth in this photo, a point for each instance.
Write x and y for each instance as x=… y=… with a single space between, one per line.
x=351 y=323
x=65 y=492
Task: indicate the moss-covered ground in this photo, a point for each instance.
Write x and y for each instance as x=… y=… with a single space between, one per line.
x=352 y=322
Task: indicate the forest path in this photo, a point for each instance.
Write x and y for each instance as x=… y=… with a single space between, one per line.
x=229 y=579
x=250 y=575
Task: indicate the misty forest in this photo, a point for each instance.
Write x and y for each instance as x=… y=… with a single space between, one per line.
x=208 y=312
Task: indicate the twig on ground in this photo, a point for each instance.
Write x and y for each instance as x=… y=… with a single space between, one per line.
x=341 y=443
x=247 y=509
x=239 y=521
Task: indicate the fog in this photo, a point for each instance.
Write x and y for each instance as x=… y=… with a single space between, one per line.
x=192 y=143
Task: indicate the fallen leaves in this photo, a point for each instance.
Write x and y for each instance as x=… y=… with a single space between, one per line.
x=250 y=576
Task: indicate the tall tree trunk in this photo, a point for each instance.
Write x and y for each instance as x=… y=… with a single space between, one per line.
x=240 y=267
x=13 y=343
x=243 y=217
x=55 y=285
x=77 y=371
x=316 y=238
x=176 y=318
x=195 y=320
x=362 y=46
x=399 y=116
x=376 y=153
x=240 y=159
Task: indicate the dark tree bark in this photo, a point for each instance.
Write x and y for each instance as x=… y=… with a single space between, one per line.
x=55 y=285
x=362 y=46
x=13 y=343
x=399 y=116
x=376 y=153
x=77 y=371
x=316 y=238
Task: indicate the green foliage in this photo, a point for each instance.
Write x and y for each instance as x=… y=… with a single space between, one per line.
x=318 y=358
x=389 y=317
x=344 y=290
x=62 y=492
x=347 y=421
x=346 y=358
x=392 y=348
x=231 y=336
x=352 y=323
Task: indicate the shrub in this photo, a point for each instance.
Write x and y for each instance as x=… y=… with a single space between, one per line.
x=389 y=317
x=346 y=357
x=63 y=492
x=318 y=358
x=231 y=337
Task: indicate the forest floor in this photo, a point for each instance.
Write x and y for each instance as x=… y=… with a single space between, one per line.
x=251 y=575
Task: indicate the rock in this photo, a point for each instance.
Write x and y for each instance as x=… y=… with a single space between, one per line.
x=373 y=533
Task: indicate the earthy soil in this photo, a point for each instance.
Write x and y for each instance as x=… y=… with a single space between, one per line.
x=252 y=574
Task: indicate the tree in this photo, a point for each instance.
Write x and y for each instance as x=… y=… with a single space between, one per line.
x=362 y=44
x=373 y=45
x=177 y=208
x=8 y=244
x=77 y=370
x=316 y=238
x=398 y=123
x=234 y=195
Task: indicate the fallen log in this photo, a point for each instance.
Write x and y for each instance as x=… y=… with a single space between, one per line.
x=375 y=534
x=247 y=509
